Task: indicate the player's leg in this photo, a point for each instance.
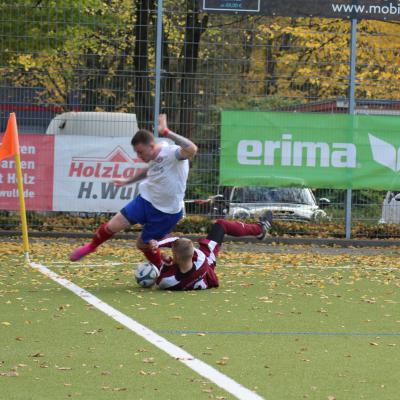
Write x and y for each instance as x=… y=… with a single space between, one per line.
x=103 y=233
x=157 y=226
x=238 y=228
x=224 y=227
x=152 y=255
x=132 y=213
x=217 y=232
x=265 y=221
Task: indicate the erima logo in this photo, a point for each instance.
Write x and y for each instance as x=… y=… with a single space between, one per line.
x=296 y=153
x=385 y=153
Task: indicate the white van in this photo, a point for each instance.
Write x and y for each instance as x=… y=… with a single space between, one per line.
x=93 y=124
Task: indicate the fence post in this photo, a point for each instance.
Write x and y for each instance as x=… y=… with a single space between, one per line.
x=157 y=96
x=352 y=104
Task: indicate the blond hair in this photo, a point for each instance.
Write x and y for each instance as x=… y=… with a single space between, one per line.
x=183 y=248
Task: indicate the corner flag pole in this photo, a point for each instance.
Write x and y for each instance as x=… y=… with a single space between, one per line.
x=10 y=147
x=24 y=223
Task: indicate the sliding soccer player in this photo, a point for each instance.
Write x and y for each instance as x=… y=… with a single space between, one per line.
x=192 y=268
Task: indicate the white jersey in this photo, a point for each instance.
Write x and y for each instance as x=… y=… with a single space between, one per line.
x=165 y=184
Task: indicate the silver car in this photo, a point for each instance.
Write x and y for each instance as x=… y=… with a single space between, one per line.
x=296 y=204
x=391 y=208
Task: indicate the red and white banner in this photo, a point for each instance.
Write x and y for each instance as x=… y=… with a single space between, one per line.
x=37 y=162
x=70 y=173
x=84 y=169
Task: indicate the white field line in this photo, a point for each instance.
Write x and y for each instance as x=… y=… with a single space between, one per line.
x=61 y=264
x=322 y=267
x=66 y=264
x=367 y=267
x=203 y=369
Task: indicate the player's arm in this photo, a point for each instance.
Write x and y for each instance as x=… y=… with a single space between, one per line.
x=188 y=148
x=128 y=181
x=168 y=242
x=165 y=258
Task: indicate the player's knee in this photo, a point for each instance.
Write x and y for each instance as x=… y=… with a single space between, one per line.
x=140 y=245
x=217 y=232
x=221 y=223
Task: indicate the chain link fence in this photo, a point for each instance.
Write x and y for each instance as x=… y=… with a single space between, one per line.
x=100 y=56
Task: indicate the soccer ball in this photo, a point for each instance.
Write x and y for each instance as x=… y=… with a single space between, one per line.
x=146 y=274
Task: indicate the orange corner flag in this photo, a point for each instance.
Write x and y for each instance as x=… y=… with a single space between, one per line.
x=10 y=145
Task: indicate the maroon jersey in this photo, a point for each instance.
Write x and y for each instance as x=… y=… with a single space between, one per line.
x=202 y=274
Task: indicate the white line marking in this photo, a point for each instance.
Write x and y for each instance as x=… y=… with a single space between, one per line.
x=320 y=267
x=82 y=266
x=203 y=369
x=367 y=267
x=79 y=265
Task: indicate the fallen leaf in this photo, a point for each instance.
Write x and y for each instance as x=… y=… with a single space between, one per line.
x=10 y=373
x=37 y=355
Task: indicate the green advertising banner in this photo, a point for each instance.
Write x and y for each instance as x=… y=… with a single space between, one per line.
x=339 y=151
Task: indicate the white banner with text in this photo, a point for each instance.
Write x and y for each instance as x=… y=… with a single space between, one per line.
x=84 y=168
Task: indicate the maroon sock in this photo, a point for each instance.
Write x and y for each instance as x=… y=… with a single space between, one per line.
x=102 y=234
x=154 y=256
x=237 y=228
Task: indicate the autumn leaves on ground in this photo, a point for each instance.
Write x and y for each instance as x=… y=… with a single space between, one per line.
x=287 y=322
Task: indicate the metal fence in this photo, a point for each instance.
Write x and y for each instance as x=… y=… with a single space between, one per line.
x=101 y=56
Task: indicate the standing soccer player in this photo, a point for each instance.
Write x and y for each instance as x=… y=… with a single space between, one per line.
x=158 y=207
x=190 y=268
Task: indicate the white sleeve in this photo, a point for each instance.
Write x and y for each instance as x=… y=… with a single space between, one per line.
x=168 y=242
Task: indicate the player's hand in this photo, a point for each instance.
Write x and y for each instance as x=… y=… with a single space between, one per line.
x=120 y=182
x=162 y=125
x=166 y=259
x=153 y=245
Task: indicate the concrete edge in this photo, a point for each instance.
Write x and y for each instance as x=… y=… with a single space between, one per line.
x=269 y=240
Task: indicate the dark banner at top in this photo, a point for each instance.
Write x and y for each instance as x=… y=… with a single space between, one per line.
x=346 y=9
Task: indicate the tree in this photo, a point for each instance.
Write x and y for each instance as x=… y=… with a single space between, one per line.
x=100 y=55
x=194 y=28
x=143 y=89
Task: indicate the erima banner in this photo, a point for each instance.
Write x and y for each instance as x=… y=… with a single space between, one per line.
x=345 y=9
x=84 y=168
x=339 y=151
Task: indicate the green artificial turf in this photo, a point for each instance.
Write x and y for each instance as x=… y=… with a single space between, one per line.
x=287 y=333
x=55 y=346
